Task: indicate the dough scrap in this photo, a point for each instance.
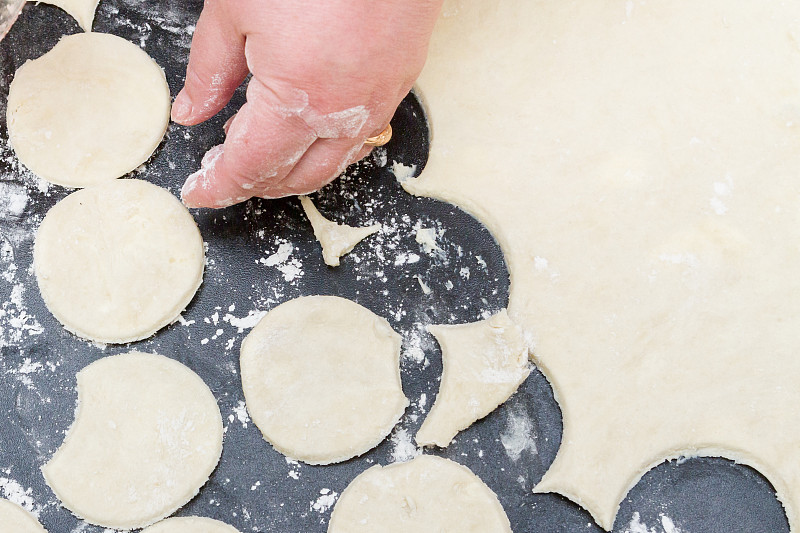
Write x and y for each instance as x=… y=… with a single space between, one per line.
x=14 y=518
x=81 y=10
x=146 y=437
x=321 y=379
x=191 y=524
x=638 y=163
x=336 y=239
x=91 y=109
x=428 y=494
x=484 y=363
x=116 y=262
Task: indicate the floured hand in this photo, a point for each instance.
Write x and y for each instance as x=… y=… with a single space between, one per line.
x=326 y=75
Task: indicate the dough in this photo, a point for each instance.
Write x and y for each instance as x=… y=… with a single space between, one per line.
x=91 y=109
x=484 y=363
x=15 y=519
x=336 y=239
x=191 y=524
x=321 y=378
x=81 y=10
x=639 y=164
x=426 y=495
x=117 y=262
x=146 y=437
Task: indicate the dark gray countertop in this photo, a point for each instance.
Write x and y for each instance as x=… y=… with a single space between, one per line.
x=262 y=253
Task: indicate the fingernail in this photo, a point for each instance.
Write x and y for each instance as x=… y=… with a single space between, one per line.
x=187 y=189
x=181 y=107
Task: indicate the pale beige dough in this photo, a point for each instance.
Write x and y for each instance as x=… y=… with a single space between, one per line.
x=116 y=262
x=191 y=524
x=81 y=10
x=15 y=519
x=426 y=495
x=336 y=239
x=321 y=378
x=91 y=109
x=146 y=437
x=639 y=163
x=484 y=363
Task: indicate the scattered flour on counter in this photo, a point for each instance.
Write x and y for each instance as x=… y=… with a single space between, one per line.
x=637 y=526
x=288 y=265
x=16 y=324
x=518 y=435
x=245 y=322
x=403 y=447
x=16 y=493
x=426 y=237
x=240 y=413
x=403 y=172
x=325 y=501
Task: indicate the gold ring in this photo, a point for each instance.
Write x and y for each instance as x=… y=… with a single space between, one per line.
x=380 y=139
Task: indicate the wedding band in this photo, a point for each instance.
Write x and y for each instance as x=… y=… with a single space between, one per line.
x=380 y=139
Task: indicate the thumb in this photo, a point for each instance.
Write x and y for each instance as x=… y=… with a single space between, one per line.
x=217 y=66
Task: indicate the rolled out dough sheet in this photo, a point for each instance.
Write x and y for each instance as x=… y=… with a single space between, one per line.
x=146 y=437
x=639 y=163
x=428 y=494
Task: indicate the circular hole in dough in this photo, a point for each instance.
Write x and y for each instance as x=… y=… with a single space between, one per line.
x=91 y=109
x=321 y=378
x=191 y=524
x=14 y=518
x=426 y=495
x=118 y=261
x=146 y=437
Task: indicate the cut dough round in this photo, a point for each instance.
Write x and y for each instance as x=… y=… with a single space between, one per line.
x=118 y=261
x=426 y=495
x=321 y=376
x=191 y=524
x=15 y=518
x=93 y=108
x=146 y=437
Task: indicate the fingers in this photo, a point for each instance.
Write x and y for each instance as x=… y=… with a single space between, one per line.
x=217 y=66
x=323 y=162
x=262 y=147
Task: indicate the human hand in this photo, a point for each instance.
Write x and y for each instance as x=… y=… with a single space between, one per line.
x=326 y=76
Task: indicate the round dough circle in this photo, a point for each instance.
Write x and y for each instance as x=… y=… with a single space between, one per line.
x=146 y=437
x=191 y=524
x=118 y=261
x=91 y=109
x=426 y=495
x=15 y=518
x=321 y=377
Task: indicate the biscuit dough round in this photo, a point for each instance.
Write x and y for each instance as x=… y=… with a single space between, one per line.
x=118 y=261
x=15 y=518
x=146 y=437
x=191 y=524
x=426 y=495
x=321 y=377
x=91 y=109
